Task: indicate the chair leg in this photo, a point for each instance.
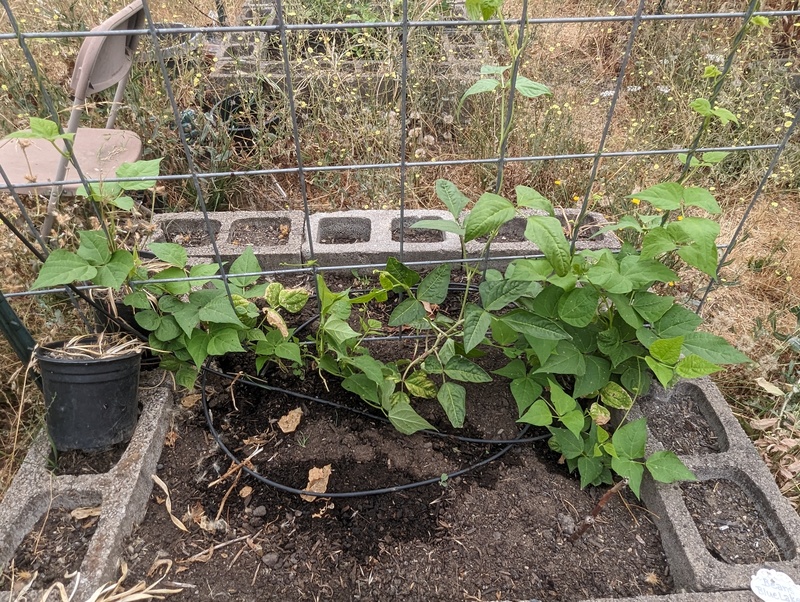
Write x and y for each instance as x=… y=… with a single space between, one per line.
x=118 y=98
x=55 y=191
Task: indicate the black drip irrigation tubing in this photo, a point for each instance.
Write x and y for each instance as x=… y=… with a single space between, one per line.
x=508 y=443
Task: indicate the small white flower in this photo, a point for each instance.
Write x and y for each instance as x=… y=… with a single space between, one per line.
x=607 y=93
x=715 y=58
x=634 y=88
x=664 y=89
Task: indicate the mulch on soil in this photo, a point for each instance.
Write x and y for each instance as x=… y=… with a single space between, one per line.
x=55 y=546
x=496 y=533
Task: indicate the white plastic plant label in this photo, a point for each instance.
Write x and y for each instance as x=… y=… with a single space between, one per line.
x=773 y=586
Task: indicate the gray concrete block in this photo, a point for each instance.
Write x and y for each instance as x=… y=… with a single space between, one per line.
x=122 y=493
x=691 y=564
x=276 y=236
x=511 y=241
x=353 y=238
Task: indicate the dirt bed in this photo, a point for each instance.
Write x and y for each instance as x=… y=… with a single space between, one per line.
x=500 y=532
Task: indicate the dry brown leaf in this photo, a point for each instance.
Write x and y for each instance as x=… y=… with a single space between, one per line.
x=81 y=513
x=794 y=467
x=430 y=308
x=317 y=481
x=245 y=491
x=168 y=503
x=290 y=422
x=769 y=387
x=171 y=438
x=275 y=319
x=203 y=556
x=323 y=510
x=189 y=401
x=159 y=562
x=763 y=424
x=256 y=547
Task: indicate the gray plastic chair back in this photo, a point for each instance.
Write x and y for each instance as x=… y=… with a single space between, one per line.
x=105 y=61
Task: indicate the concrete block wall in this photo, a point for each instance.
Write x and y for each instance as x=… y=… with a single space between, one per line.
x=280 y=235
x=121 y=493
x=351 y=238
x=346 y=238
x=246 y=59
x=692 y=565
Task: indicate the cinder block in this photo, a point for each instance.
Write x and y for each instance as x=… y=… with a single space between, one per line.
x=122 y=492
x=276 y=236
x=354 y=238
x=691 y=564
x=511 y=241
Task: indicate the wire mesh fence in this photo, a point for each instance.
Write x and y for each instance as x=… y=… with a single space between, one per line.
x=367 y=112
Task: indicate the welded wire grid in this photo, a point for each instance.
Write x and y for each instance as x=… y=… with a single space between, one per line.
x=405 y=25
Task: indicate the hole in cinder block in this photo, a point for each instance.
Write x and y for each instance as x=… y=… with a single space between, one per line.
x=513 y=231
x=261 y=231
x=732 y=528
x=189 y=232
x=587 y=229
x=343 y=230
x=76 y=462
x=684 y=422
x=416 y=235
x=55 y=545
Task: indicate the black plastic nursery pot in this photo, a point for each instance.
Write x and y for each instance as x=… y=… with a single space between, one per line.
x=90 y=403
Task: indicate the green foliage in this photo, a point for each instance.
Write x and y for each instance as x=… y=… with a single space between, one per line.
x=584 y=332
x=97 y=259
x=41 y=129
x=500 y=78
x=704 y=108
x=188 y=322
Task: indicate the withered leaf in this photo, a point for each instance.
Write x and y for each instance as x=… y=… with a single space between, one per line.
x=189 y=401
x=290 y=422
x=275 y=319
x=81 y=513
x=317 y=481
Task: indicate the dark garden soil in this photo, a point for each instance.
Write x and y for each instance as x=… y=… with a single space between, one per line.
x=76 y=462
x=189 y=233
x=729 y=523
x=261 y=233
x=679 y=424
x=413 y=234
x=56 y=545
x=495 y=533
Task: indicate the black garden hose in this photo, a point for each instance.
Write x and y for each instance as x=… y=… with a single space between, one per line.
x=507 y=443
